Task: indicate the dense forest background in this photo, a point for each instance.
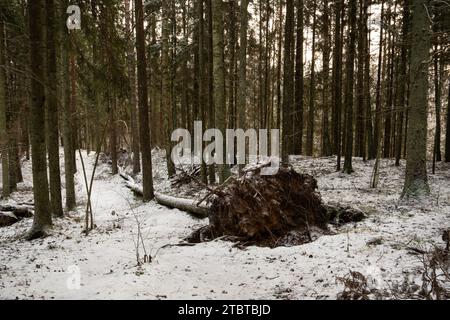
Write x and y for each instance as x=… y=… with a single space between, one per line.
x=93 y=206
x=356 y=78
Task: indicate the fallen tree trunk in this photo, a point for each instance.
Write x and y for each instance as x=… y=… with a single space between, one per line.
x=187 y=205
x=21 y=211
x=132 y=185
x=10 y=214
x=339 y=214
x=182 y=204
x=7 y=219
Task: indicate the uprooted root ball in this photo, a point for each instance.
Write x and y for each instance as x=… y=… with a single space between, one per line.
x=283 y=209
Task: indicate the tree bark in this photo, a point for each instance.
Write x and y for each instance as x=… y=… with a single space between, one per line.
x=201 y=78
x=326 y=139
x=279 y=65
x=388 y=111
x=219 y=79
x=144 y=130
x=166 y=84
x=349 y=96
x=402 y=82
x=416 y=180
x=232 y=68
x=11 y=124
x=299 y=78
x=3 y=125
x=377 y=129
x=113 y=134
x=72 y=100
x=261 y=105
x=312 y=91
x=447 y=134
x=360 y=130
x=337 y=83
x=52 y=113
x=242 y=72
x=42 y=218
x=69 y=169
x=437 y=96
x=210 y=76
x=131 y=61
x=369 y=143
x=288 y=79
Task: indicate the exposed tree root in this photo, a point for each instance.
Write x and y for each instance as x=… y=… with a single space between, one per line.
x=283 y=209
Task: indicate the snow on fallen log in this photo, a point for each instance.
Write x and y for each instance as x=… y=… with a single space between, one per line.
x=131 y=184
x=183 y=204
x=10 y=214
x=20 y=211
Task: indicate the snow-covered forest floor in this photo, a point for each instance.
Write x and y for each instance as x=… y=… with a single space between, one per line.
x=378 y=247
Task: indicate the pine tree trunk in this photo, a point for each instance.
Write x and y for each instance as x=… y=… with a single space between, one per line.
x=15 y=174
x=157 y=132
x=416 y=180
x=267 y=85
x=326 y=139
x=210 y=79
x=279 y=65
x=96 y=133
x=144 y=130
x=219 y=79
x=11 y=125
x=388 y=112
x=288 y=79
x=312 y=91
x=185 y=81
x=299 y=78
x=349 y=96
x=174 y=120
x=242 y=72
x=201 y=78
x=447 y=133
x=131 y=61
x=42 y=215
x=369 y=144
x=113 y=134
x=377 y=129
x=166 y=84
x=232 y=68
x=69 y=169
x=261 y=104
x=16 y=158
x=402 y=80
x=360 y=129
x=52 y=113
x=3 y=124
x=73 y=101
x=337 y=83
x=437 y=94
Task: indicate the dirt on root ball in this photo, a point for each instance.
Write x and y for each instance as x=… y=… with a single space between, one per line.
x=278 y=210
